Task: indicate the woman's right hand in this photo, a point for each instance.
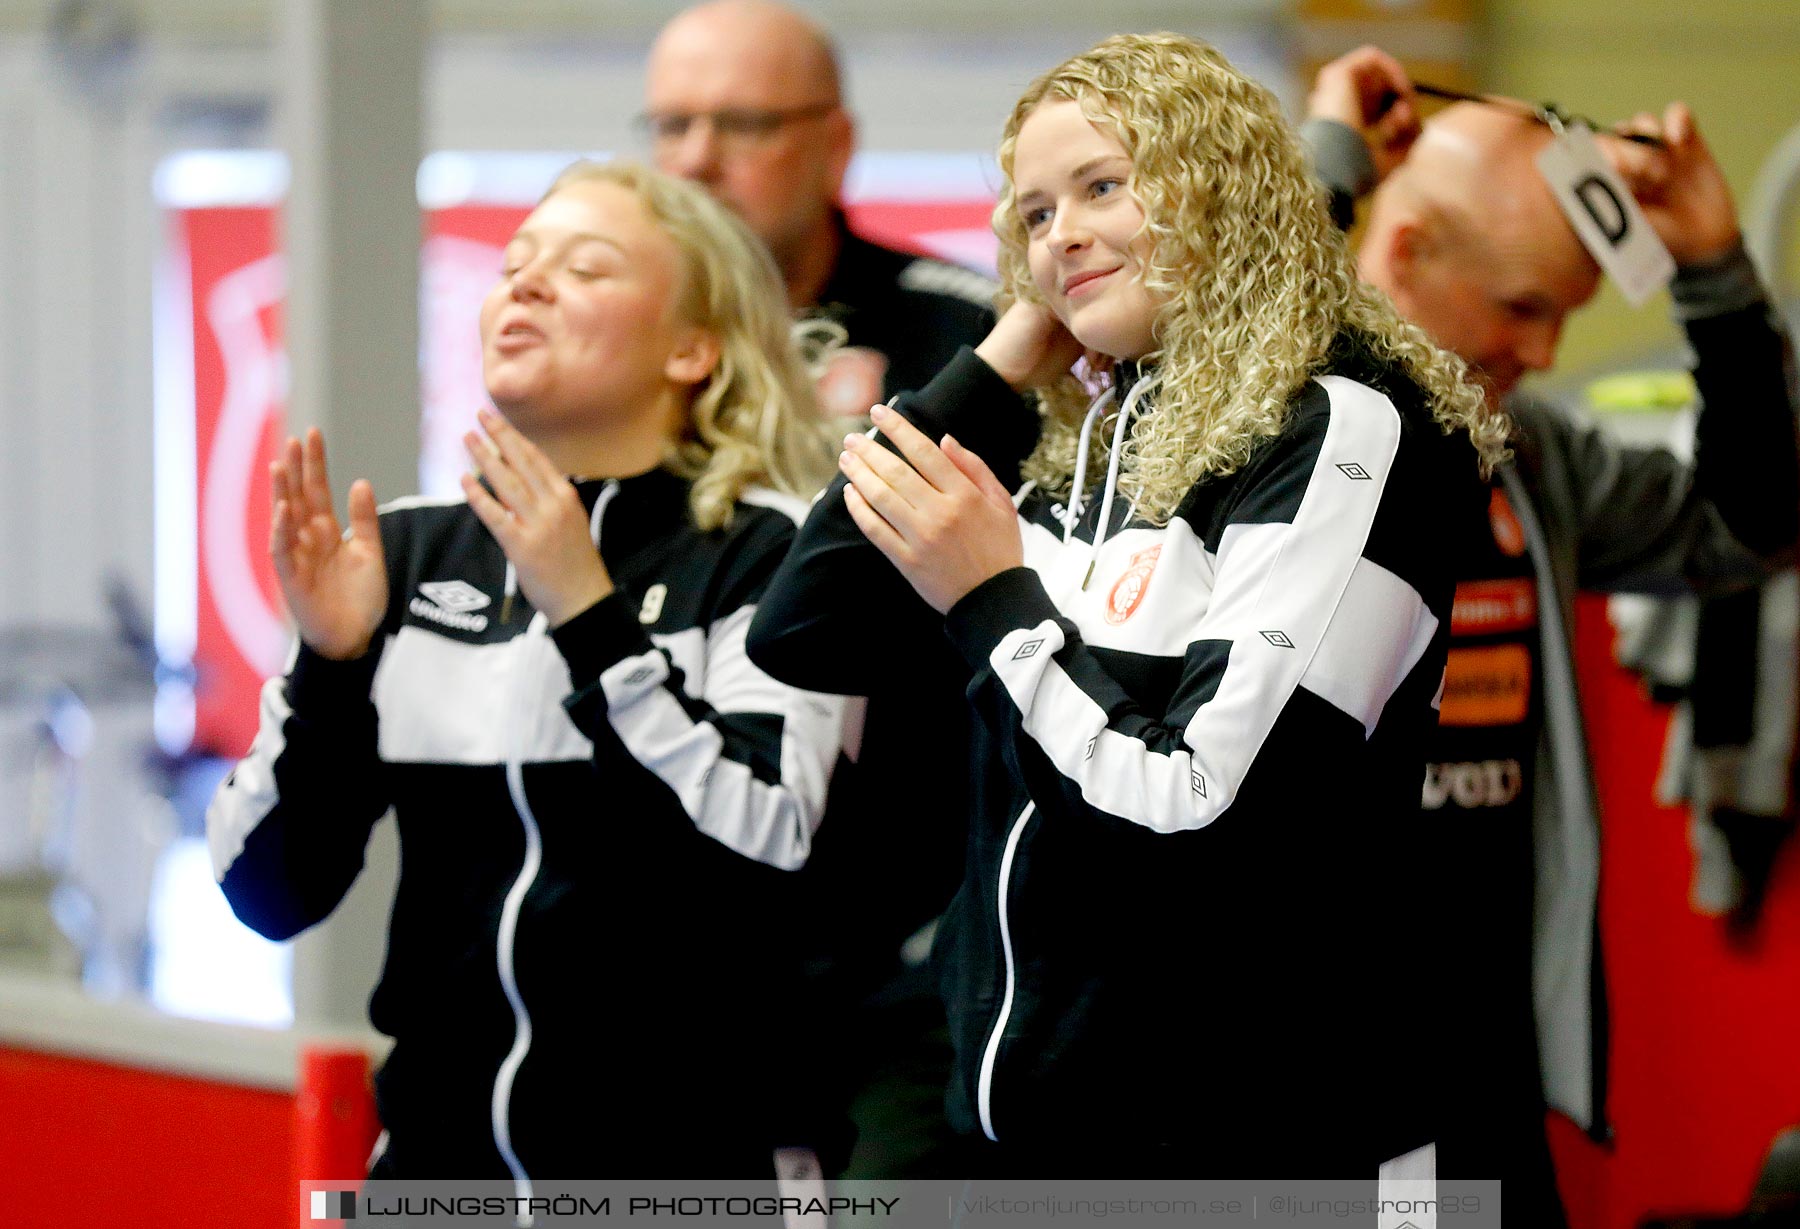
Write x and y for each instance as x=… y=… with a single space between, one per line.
x=1029 y=347
x=335 y=584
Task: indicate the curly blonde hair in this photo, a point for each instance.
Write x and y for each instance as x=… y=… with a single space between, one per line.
x=755 y=421
x=1255 y=282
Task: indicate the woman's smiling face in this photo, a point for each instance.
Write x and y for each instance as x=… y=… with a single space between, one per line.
x=583 y=319
x=1083 y=226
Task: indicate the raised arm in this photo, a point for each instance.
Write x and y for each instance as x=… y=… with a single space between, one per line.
x=1361 y=119
x=1745 y=460
x=1648 y=521
x=288 y=827
x=837 y=616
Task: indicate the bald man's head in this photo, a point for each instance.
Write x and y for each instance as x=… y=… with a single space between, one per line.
x=743 y=98
x=1469 y=242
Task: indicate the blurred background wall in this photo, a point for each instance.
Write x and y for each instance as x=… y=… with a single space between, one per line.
x=96 y=96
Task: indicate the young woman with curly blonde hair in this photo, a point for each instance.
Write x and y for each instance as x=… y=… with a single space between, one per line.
x=1201 y=641
x=597 y=794
x=1252 y=284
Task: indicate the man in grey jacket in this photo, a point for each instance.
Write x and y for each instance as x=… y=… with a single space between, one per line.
x=1466 y=238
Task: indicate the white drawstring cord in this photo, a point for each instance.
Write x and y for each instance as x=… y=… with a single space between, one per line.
x=1076 y=493
x=599 y=513
x=1112 y=475
x=1079 y=491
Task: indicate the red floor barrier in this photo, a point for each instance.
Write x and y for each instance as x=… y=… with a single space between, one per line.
x=1706 y=1035
x=334 y=1119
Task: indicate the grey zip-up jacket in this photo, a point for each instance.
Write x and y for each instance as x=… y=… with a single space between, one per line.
x=1603 y=517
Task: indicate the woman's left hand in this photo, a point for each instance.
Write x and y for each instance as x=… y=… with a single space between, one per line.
x=536 y=515
x=944 y=520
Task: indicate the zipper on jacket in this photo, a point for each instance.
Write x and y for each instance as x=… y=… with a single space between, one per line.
x=984 y=1087
x=509 y=924
x=500 y=1108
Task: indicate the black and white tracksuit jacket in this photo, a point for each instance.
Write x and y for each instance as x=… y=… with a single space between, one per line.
x=1197 y=759
x=587 y=959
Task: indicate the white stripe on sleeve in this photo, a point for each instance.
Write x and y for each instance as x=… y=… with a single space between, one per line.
x=1278 y=589
x=1361 y=660
x=772 y=823
x=248 y=796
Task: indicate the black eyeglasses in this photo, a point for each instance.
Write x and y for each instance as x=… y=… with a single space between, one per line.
x=1544 y=113
x=732 y=125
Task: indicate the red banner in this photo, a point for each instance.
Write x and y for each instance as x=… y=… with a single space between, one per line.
x=240 y=377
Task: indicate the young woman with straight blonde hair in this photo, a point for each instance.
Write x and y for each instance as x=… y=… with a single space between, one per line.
x=1201 y=624
x=598 y=795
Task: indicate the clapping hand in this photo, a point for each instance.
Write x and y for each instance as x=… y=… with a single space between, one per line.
x=536 y=515
x=335 y=583
x=943 y=520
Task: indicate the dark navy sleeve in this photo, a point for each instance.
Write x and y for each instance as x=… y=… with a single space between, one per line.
x=287 y=829
x=837 y=616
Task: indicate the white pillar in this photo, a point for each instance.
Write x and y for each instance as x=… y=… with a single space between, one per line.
x=351 y=118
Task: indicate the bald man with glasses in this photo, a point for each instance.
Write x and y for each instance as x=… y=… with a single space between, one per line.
x=744 y=97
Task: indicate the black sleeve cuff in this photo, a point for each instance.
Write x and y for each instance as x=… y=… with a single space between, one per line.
x=602 y=635
x=1716 y=288
x=969 y=400
x=320 y=687
x=994 y=609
